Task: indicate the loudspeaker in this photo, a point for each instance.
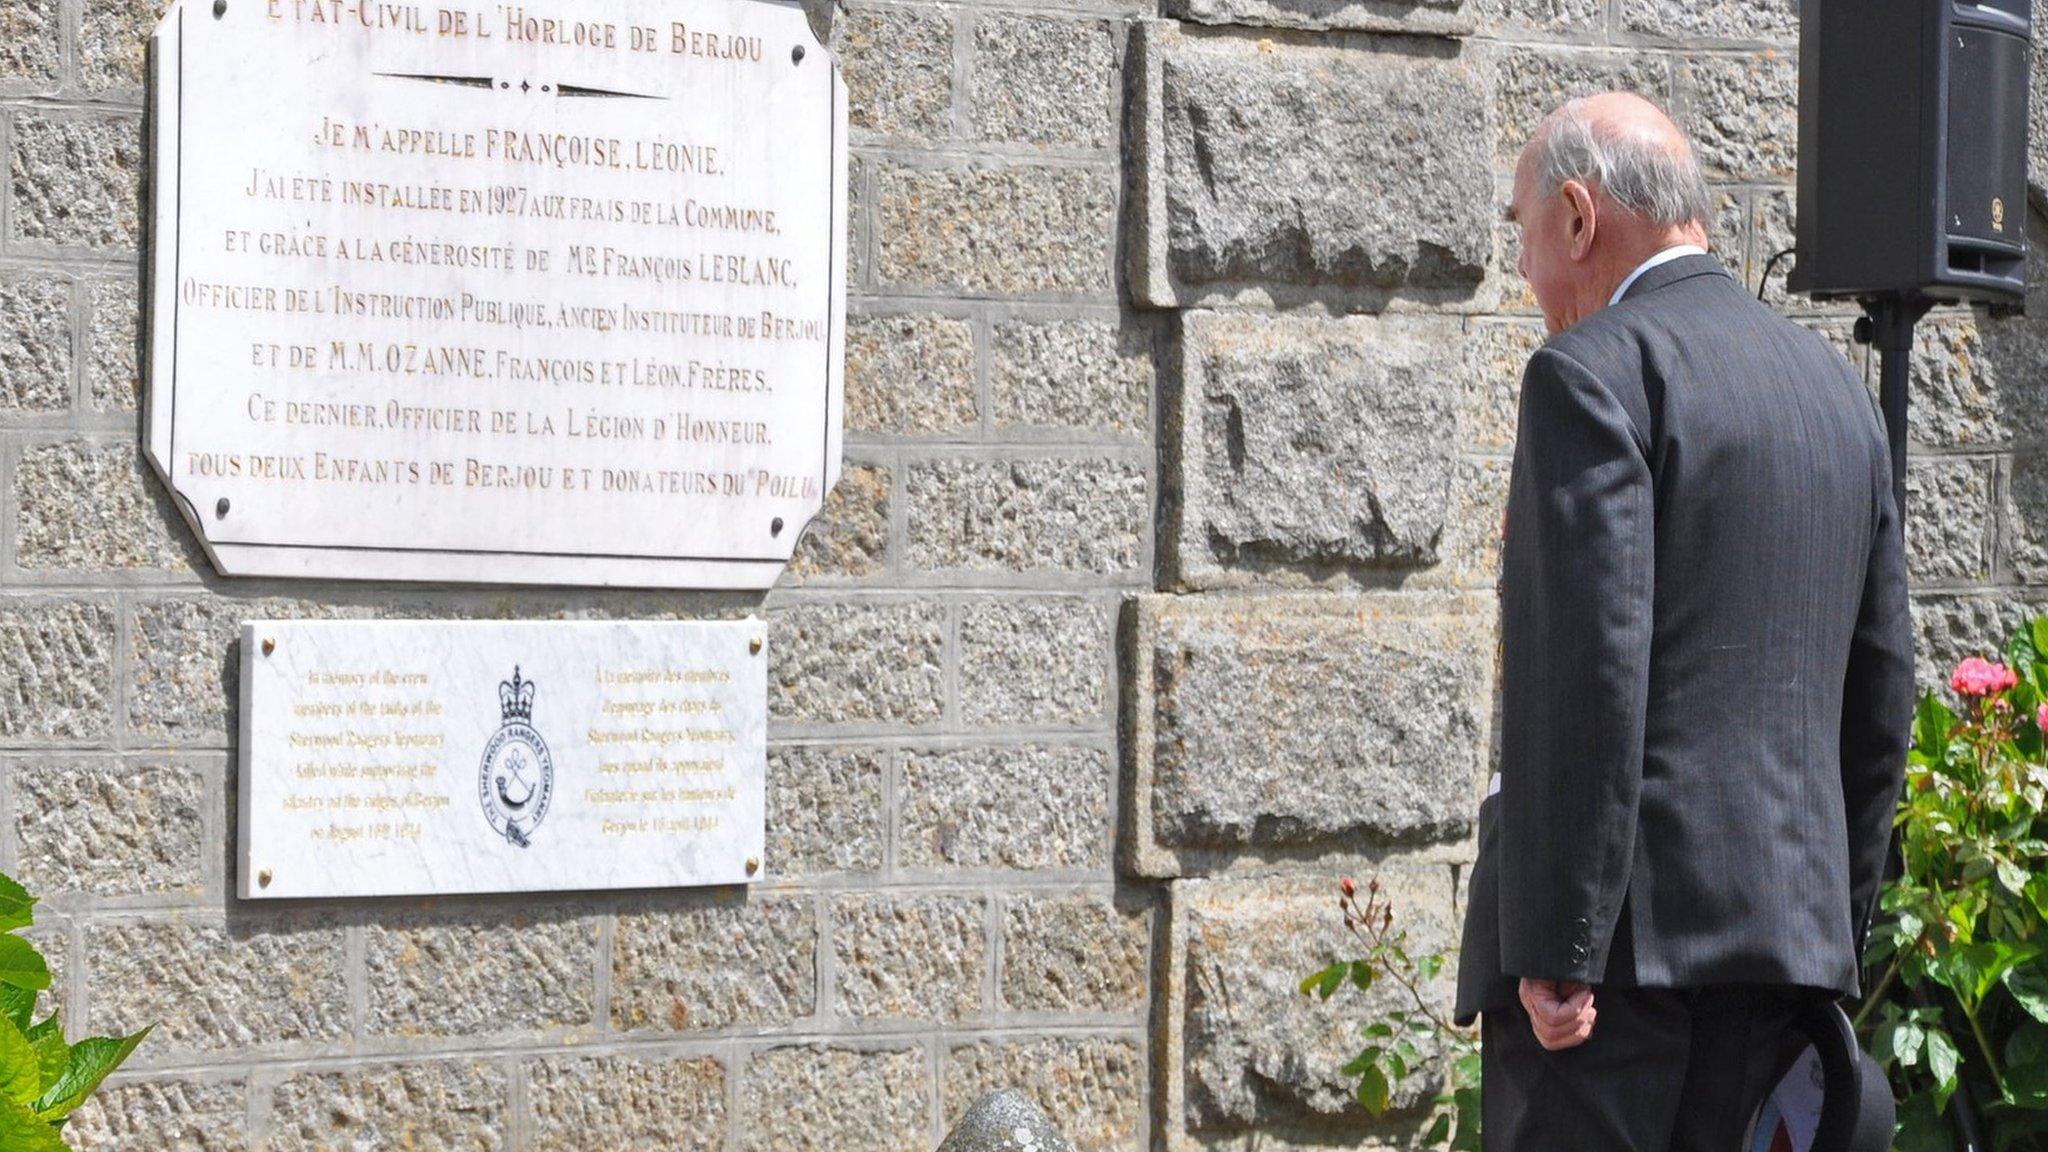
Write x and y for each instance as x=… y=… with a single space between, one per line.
x=1913 y=149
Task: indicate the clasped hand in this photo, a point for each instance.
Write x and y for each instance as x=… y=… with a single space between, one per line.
x=1560 y=1011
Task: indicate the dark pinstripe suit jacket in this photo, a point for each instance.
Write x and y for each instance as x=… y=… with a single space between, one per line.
x=1707 y=657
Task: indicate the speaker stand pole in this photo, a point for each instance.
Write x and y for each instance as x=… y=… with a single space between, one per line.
x=1891 y=321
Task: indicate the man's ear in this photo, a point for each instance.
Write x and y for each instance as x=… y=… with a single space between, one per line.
x=1583 y=222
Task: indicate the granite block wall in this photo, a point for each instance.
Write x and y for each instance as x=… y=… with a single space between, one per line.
x=1157 y=595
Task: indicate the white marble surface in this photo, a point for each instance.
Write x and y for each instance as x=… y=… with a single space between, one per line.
x=442 y=294
x=403 y=758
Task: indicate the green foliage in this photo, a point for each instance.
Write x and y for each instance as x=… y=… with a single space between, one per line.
x=1398 y=1044
x=1962 y=1002
x=42 y=1078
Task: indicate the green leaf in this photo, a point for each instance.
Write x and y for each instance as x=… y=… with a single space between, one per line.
x=21 y=1073
x=89 y=1063
x=2029 y=986
x=1325 y=982
x=1362 y=975
x=1932 y=723
x=22 y=1131
x=1439 y=1129
x=17 y=907
x=21 y=966
x=16 y=1005
x=1372 y=1092
x=1942 y=1060
x=1359 y=1063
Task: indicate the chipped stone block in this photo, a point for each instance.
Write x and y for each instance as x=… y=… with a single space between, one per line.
x=1031 y=806
x=1073 y=952
x=1035 y=514
x=1045 y=81
x=451 y=1106
x=446 y=974
x=817 y=1099
x=1235 y=739
x=1435 y=17
x=909 y=957
x=609 y=1103
x=678 y=969
x=109 y=828
x=1352 y=172
x=824 y=811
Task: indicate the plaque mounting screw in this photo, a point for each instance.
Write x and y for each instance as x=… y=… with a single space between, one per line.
x=753 y=865
x=220 y=8
x=269 y=645
x=754 y=645
x=796 y=54
x=774 y=526
x=263 y=878
x=220 y=509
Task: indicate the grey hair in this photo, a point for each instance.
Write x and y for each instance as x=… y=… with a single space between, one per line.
x=1637 y=169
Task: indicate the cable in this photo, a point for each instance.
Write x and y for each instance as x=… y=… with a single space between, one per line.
x=1768 y=268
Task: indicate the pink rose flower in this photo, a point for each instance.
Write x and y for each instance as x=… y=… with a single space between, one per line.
x=1979 y=677
x=2041 y=717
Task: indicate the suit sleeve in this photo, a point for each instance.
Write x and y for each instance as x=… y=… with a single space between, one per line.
x=1877 y=706
x=1576 y=631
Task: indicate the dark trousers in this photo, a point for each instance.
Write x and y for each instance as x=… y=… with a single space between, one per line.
x=1666 y=1070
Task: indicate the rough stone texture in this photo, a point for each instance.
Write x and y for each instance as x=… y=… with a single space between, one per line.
x=1495 y=355
x=608 y=1103
x=1005 y=1121
x=1094 y=1085
x=446 y=974
x=1743 y=114
x=31 y=54
x=1311 y=444
x=1071 y=375
x=184 y=667
x=35 y=344
x=898 y=64
x=440 y=1107
x=1045 y=81
x=824 y=811
x=113 y=42
x=76 y=179
x=1472 y=541
x=910 y=375
x=1432 y=16
x=1032 y=806
x=1027 y=514
x=2026 y=518
x=56 y=671
x=1230 y=735
x=816 y=1099
x=1257 y=1052
x=108 y=829
x=1958 y=395
x=1949 y=521
x=1034 y=662
x=857 y=663
x=1008 y=231
x=1535 y=81
x=1715 y=21
x=1290 y=171
x=909 y=957
x=113 y=377
x=849 y=538
x=1073 y=953
x=163 y=1116
x=713 y=966
x=81 y=505
x=213 y=986
x=1573 y=17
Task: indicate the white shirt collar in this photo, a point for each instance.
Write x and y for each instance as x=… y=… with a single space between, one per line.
x=1665 y=257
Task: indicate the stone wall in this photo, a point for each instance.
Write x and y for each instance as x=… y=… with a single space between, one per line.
x=1157 y=595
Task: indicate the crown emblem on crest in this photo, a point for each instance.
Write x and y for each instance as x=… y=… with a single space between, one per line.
x=515 y=697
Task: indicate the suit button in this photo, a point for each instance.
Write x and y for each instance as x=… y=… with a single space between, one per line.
x=1578 y=953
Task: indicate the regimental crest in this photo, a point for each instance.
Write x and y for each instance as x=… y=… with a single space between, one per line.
x=517 y=778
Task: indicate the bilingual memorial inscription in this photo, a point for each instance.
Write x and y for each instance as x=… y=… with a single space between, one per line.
x=391 y=759
x=541 y=292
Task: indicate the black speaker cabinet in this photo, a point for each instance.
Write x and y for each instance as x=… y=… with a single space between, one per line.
x=1913 y=148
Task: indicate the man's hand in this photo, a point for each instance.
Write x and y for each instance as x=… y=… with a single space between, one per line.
x=1562 y=1013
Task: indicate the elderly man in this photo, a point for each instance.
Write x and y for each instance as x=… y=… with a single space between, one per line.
x=1706 y=669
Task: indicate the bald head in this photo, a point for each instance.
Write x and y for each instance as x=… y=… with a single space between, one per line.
x=1620 y=144
x=1606 y=182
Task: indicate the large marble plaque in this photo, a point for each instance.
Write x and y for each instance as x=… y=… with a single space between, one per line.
x=545 y=292
x=400 y=758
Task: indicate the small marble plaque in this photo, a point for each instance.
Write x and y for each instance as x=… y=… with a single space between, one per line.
x=551 y=292
x=401 y=758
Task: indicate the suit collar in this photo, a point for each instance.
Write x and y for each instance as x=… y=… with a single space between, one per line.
x=1665 y=275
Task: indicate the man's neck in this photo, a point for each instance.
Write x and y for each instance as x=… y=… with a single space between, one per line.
x=1628 y=257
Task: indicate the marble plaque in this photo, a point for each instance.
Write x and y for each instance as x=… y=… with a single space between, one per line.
x=540 y=292
x=400 y=758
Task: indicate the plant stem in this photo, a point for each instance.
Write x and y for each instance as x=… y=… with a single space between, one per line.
x=1870 y=1002
x=1984 y=1046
